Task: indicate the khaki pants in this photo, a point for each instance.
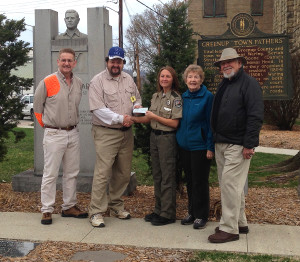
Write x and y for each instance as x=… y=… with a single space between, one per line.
x=60 y=146
x=232 y=173
x=113 y=168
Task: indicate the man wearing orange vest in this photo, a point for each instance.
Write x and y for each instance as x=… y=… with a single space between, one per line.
x=56 y=107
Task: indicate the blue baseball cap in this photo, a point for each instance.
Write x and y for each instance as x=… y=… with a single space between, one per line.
x=116 y=52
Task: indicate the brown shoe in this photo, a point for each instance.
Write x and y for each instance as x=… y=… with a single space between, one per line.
x=222 y=237
x=74 y=212
x=46 y=218
x=242 y=230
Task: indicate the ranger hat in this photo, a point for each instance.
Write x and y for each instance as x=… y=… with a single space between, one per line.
x=228 y=54
x=116 y=52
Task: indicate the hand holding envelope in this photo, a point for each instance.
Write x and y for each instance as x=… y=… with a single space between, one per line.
x=141 y=110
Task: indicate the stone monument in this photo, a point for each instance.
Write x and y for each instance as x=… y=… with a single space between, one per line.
x=91 y=50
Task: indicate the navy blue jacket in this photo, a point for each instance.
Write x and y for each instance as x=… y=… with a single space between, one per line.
x=194 y=132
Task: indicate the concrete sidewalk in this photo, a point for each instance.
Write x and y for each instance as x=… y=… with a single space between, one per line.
x=262 y=239
x=273 y=150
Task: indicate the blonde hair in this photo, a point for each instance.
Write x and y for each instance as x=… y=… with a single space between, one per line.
x=194 y=68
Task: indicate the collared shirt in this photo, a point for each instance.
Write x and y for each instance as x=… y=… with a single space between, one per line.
x=167 y=105
x=69 y=35
x=59 y=108
x=118 y=94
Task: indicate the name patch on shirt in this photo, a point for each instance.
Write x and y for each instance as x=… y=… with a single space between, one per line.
x=167 y=109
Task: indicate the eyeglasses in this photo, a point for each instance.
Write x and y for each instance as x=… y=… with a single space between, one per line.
x=66 y=60
x=228 y=61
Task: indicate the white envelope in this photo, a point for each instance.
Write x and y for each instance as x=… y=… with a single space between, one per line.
x=141 y=110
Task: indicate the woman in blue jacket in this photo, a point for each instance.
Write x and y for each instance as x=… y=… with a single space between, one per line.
x=196 y=146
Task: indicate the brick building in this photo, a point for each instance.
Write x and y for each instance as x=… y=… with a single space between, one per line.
x=210 y=17
x=287 y=19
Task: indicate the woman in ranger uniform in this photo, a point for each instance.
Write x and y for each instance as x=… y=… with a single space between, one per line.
x=164 y=115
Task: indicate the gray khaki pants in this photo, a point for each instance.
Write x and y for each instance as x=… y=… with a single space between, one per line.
x=113 y=168
x=232 y=173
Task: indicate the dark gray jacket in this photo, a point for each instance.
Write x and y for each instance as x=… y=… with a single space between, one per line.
x=239 y=116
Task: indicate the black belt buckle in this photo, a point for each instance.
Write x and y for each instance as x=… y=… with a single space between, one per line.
x=125 y=128
x=157 y=132
x=69 y=128
x=161 y=132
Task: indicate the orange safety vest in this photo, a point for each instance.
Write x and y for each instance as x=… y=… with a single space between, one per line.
x=52 y=87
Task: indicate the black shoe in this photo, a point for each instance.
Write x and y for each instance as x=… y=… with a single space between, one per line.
x=188 y=220
x=150 y=217
x=199 y=223
x=242 y=230
x=161 y=221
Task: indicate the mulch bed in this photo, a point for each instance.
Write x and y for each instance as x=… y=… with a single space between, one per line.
x=277 y=206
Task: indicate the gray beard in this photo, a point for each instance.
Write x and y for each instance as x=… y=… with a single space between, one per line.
x=229 y=75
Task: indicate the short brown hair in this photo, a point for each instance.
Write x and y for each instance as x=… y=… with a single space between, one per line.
x=194 y=68
x=67 y=50
x=175 y=82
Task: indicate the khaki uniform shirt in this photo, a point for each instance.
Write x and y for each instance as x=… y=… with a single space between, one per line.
x=119 y=94
x=60 y=105
x=167 y=105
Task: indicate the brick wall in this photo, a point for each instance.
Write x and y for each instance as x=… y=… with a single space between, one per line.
x=287 y=19
x=218 y=25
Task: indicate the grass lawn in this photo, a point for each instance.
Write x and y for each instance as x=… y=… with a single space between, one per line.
x=20 y=157
x=257 y=178
x=216 y=256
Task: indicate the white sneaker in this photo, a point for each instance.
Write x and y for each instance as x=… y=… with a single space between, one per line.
x=122 y=214
x=97 y=220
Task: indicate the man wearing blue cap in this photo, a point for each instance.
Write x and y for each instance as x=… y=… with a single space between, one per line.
x=112 y=96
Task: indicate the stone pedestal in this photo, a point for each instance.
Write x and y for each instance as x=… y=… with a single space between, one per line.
x=29 y=182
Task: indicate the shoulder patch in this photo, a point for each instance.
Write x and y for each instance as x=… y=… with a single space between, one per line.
x=173 y=93
x=178 y=103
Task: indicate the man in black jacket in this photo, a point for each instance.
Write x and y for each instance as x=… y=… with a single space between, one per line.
x=236 y=120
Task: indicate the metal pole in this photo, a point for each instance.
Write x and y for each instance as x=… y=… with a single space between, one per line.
x=121 y=23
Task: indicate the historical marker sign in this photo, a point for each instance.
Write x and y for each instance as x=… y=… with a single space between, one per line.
x=267 y=56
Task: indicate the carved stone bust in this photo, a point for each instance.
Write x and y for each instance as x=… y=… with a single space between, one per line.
x=71 y=19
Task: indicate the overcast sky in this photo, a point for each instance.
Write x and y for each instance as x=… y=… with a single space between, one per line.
x=18 y=9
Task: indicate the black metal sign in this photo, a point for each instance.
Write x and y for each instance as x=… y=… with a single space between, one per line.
x=267 y=57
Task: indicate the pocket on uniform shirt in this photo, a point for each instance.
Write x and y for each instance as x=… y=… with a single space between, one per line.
x=111 y=98
x=130 y=90
x=130 y=93
x=165 y=112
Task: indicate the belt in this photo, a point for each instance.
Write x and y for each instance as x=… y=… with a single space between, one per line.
x=160 y=132
x=123 y=128
x=68 y=128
